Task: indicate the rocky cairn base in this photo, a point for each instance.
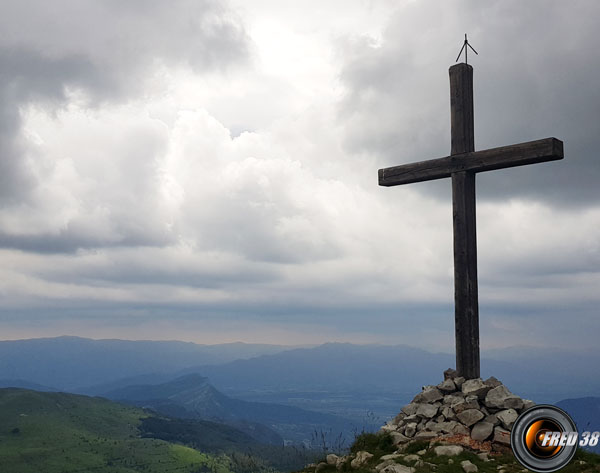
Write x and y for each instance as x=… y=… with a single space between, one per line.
x=474 y=411
x=443 y=421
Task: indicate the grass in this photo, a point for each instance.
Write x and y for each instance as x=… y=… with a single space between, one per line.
x=66 y=433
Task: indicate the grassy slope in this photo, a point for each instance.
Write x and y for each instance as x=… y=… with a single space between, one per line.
x=57 y=432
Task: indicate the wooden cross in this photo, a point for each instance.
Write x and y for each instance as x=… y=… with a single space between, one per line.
x=461 y=166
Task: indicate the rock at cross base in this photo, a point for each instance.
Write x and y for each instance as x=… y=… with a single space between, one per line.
x=429 y=394
x=447 y=386
x=470 y=416
x=481 y=431
x=507 y=418
x=332 y=459
x=492 y=382
x=501 y=398
x=501 y=436
x=450 y=374
x=475 y=387
x=428 y=410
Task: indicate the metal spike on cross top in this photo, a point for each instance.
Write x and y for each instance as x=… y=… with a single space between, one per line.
x=461 y=166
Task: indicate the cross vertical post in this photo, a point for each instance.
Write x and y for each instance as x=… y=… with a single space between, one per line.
x=462 y=165
x=466 y=305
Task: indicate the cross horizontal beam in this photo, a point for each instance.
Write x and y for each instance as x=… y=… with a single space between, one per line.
x=539 y=151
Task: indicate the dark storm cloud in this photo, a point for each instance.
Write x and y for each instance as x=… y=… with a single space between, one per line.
x=534 y=78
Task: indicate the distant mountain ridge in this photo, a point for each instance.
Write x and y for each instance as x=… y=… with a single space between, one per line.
x=67 y=363
x=192 y=396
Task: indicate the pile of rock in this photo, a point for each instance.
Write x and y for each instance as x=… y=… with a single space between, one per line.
x=484 y=410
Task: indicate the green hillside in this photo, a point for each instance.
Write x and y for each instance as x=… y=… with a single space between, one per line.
x=64 y=433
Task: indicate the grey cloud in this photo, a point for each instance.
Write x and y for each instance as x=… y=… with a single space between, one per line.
x=534 y=78
x=105 y=49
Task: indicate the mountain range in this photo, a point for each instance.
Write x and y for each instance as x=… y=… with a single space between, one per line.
x=193 y=397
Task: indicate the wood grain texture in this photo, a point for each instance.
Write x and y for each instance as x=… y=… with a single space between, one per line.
x=466 y=299
x=539 y=151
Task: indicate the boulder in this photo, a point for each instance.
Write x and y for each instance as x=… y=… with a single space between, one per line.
x=332 y=459
x=410 y=409
x=428 y=410
x=475 y=387
x=507 y=418
x=468 y=467
x=481 y=431
x=497 y=397
x=460 y=429
x=429 y=394
x=447 y=386
x=453 y=398
x=459 y=382
x=411 y=429
x=383 y=464
x=450 y=374
x=391 y=456
x=448 y=450
x=492 y=382
x=470 y=416
x=501 y=436
x=445 y=427
x=514 y=403
x=411 y=458
x=399 y=418
x=448 y=413
x=426 y=435
x=492 y=419
x=398 y=438
x=361 y=458
x=464 y=405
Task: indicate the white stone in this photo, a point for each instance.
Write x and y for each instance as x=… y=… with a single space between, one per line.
x=468 y=467
x=361 y=458
x=391 y=456
x=332 y=459
x=448 y=450
x=383 y=464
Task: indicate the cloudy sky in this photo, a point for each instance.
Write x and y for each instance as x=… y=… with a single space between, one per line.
x=207 y=171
